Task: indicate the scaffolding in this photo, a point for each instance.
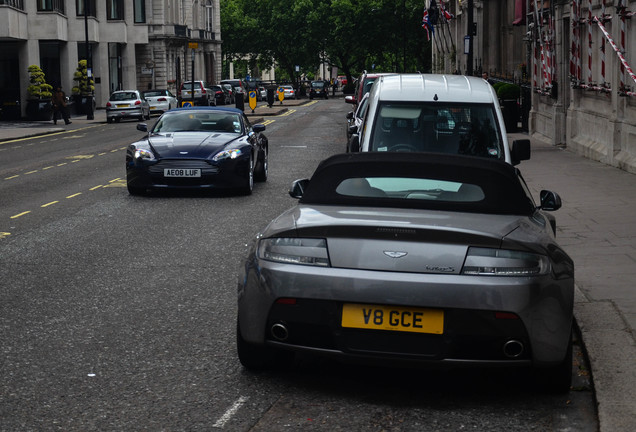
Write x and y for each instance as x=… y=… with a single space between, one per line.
x=578 y=24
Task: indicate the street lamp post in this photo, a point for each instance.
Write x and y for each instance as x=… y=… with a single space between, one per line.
x=89 y=65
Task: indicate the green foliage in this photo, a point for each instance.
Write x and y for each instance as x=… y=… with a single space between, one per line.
x=38 y=89
x=83 y=85
x=352 y=35
x=508 y=91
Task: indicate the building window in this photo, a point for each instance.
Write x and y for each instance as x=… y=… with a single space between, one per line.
x=209 y=15
x=50 y=6
x=140 y=11
x=115 y=9
x=18 y=4
x=92 y=9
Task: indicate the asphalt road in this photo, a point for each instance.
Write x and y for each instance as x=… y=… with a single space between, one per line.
x=118 y=312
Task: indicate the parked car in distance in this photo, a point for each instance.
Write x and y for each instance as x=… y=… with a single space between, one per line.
x=263 y=92
x=231 y=92
x=288 y=91
x=363 y=86
x=354 y=120
x=203 y=94
x=124 y=104
x=318 y=89
x=411 y=259
x=221 y=95
x=200 y=148
x=239 y=86
x=342 y=80
x=160 y=100
x=453 y=114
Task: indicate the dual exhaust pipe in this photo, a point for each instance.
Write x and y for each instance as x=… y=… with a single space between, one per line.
x=512 y=349
x=279 y=332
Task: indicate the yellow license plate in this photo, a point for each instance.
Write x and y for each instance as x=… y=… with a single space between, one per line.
x=122 y=105
x=404 y=319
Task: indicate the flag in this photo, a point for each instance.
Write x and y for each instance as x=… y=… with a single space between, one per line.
x=426 y=25
x=446 y=14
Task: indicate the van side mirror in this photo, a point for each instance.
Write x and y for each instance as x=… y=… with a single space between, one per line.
x=520 y=151
x=143 y=127
x=354 y=145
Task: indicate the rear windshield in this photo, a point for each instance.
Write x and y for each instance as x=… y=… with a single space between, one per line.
x=153 y=93
x=439 y=127
x=411 y=188
x=123 y=96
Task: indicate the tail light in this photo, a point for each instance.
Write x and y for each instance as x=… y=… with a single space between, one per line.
x=137 y=102
x=108 y=105
x=162 y=99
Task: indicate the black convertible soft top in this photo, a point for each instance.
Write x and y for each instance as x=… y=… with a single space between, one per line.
x=501 y=183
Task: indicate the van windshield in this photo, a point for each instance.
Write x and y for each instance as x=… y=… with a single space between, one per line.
x=457 y=128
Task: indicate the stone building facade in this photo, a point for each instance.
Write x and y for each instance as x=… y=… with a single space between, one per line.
x=131 y=43
x=583 y=96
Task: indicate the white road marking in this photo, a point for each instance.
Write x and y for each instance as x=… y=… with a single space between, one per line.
x=230 y=412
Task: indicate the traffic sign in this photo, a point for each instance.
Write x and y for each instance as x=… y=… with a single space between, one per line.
x=187 y=104
x=252 y=99
x=281 y=93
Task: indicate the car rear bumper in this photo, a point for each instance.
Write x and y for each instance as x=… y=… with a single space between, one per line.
x=475 y=331
x=124 y=113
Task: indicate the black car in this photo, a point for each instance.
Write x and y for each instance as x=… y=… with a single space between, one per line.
x=318 y=89
x=221 y=95
x=198 y=148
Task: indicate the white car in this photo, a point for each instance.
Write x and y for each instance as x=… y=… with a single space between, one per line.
x=453 y=114
x=160 y=100
x=289 y=91
x=124 y=104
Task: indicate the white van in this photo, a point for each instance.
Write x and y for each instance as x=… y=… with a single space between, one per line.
x=437 y=113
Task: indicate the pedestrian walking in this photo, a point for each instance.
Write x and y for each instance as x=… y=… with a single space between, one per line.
x=59 y=106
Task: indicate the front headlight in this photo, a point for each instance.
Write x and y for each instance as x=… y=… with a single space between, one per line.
x=305 y=251
x=500 y=262
x=227 y=154
x=144 y=154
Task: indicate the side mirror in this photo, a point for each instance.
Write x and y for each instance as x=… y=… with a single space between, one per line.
x=258 y=128
x=143 y=127
x=353 y=129
x=520 y=151
x=349 y=115
x=298 y=188
x=350 y=99
x=550 y=201
x=354 y=145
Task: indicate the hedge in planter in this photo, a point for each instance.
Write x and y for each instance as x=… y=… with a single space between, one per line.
x=39 y=100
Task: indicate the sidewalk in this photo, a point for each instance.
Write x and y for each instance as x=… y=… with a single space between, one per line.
x=597 y=227
x=11 y=130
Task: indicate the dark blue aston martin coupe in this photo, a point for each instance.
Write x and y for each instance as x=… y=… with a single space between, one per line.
x=198 y=148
